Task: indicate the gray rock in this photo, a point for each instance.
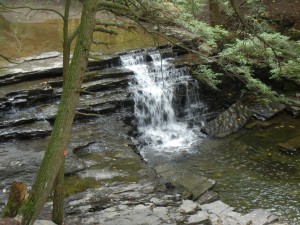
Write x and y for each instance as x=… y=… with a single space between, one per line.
x=200 y=218
x=157 y=201
x=259 y=217
x=74 y=165
x=208 y=197
x=188 y=207
x=44 y=222
x=229 y=121
x=217 y=208
x=264 y=112
x=195 y=184
x=27 y=131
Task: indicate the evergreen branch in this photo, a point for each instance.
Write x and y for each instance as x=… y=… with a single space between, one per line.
x=274 y=49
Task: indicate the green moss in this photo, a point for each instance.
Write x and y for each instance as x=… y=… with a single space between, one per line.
x=76 y=184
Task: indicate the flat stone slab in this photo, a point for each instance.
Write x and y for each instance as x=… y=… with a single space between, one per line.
x=195 y=184
x=259 y=217
x=27 y=131
x=217 y=207
x=201 y=217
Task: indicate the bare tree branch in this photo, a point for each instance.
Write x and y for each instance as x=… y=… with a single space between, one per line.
x=7 y=59
x=31 y=9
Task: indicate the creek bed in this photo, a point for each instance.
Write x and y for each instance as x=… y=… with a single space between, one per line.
x=249 y=169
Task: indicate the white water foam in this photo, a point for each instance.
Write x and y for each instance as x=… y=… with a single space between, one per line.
x=166 y=102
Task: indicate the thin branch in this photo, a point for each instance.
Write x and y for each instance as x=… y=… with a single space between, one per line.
x=73 y=35
x=7 y=59
x=32 y=9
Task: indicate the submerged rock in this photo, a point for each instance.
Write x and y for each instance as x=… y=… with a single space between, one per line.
x=265 y=112
x=229 y=121
x=291 y=146
x=74 y=165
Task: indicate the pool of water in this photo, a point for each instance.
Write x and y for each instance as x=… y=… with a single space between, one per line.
x=250 y=170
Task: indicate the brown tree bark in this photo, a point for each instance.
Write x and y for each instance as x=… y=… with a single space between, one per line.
x=17 y=196
x=54 y=155
x=215 y=13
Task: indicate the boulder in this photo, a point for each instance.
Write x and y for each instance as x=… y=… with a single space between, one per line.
x=229 y=121
x=265 y=112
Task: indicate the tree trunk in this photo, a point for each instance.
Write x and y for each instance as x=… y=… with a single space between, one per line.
x=58 y=196
x=215 y=13
x=17 y=196
x=54 y=155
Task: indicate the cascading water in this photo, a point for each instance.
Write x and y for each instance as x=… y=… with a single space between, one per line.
x=166 y=102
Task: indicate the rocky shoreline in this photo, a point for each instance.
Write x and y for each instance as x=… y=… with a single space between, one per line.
x=147 y=200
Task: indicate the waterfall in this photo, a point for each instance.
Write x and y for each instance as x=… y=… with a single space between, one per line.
x=166 y=103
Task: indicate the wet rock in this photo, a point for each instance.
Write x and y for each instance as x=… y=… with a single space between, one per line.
x=106 y=84
x=26 y=76
x=74 y=165
x=28 y=131
x=231 y=120
x=258 y=124
x=106 y=74
x=291 y=146
x=194 y=184
x=265 y=112
x=40 y=94
x=294 y=106
x=10 y=122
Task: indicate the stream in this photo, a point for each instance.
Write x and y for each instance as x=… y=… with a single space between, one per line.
x=149 y=105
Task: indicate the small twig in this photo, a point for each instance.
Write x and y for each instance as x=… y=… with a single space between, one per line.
x=31 y=9
x=7 y=59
